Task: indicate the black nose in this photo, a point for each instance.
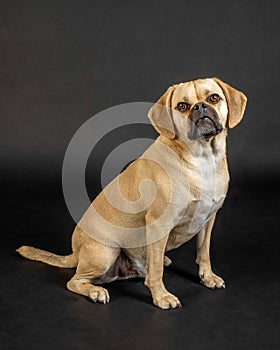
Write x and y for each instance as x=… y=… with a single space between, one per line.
x=200 y=106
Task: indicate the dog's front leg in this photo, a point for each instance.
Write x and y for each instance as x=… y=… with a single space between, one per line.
x=155 y=261
x=207 y=276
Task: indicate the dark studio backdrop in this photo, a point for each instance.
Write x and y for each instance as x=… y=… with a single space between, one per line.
x=64 y=61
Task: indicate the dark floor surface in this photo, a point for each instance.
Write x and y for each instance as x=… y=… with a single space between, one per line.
x=38 y=312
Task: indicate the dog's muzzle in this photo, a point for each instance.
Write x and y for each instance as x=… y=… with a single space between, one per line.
x=204 y=122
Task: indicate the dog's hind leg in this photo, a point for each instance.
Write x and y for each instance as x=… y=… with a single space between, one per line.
x=94 y=261
x=80 y=284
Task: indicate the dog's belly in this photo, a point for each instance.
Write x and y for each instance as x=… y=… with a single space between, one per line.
x=129 y=264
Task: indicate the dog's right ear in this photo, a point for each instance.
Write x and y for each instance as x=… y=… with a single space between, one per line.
x=160 y=114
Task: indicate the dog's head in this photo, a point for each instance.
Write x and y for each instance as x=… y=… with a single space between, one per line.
x=198 y=109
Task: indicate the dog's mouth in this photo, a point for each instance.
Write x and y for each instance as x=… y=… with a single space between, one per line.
x=205 y=126
x=205 y=122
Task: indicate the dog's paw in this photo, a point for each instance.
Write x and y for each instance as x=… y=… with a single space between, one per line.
x=212 y=281
x=99 y=294
x=167 y=301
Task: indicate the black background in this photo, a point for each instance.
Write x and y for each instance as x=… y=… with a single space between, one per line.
x=64 y=61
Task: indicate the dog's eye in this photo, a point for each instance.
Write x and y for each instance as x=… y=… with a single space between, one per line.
x=214 y=98
x=183 y=106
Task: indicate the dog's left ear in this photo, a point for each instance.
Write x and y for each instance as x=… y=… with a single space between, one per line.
x=236 y=101
x=161 y=114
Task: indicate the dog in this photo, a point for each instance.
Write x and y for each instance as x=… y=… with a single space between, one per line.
x=160 y=201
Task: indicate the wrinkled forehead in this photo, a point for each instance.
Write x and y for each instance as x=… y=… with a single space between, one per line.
x=197 y=90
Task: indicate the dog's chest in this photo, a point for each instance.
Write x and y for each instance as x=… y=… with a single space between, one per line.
x=206 y=197
x=204 y=208
x=203 y=196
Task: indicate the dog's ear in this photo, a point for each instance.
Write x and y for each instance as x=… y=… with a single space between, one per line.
x=160 y=114
x=236 y=102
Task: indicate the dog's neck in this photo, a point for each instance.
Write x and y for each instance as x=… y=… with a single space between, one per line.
x=200 y=148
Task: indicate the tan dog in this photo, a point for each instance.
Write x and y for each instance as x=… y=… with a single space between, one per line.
x=133 y=222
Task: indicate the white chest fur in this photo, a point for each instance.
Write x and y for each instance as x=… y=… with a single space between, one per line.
x=205 y=209
x=212 y=189
x=208 y=178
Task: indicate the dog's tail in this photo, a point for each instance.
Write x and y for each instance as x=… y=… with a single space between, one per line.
x=67 y=261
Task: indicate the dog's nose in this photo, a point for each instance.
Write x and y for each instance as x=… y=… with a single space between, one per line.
x=200 y=106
